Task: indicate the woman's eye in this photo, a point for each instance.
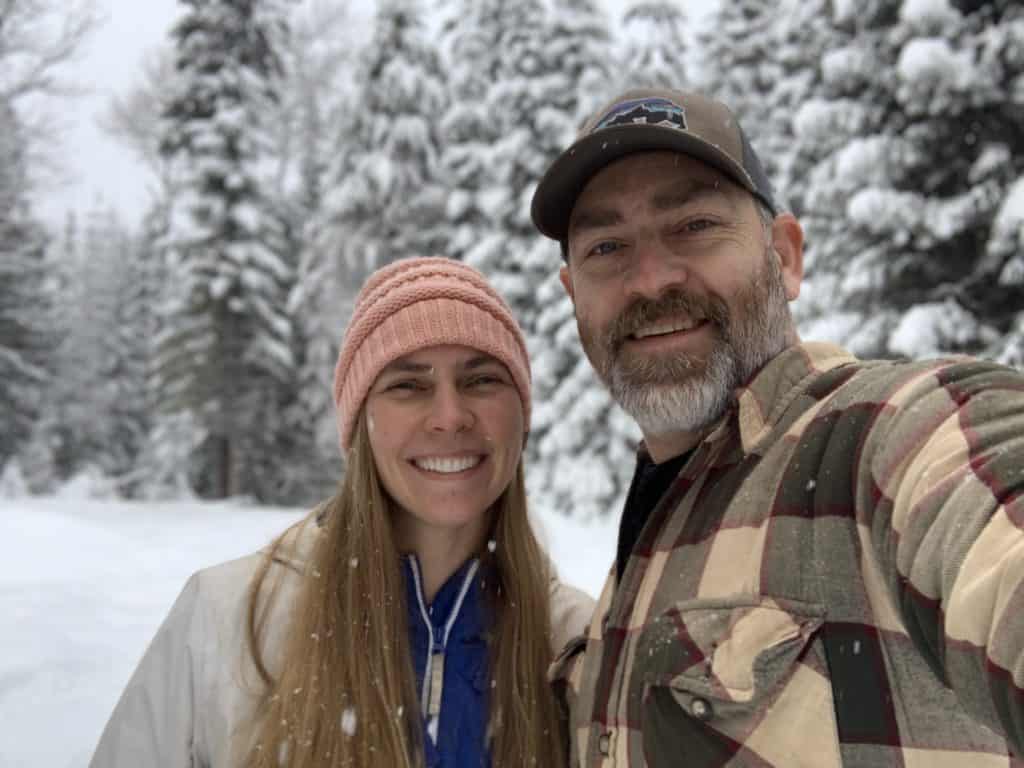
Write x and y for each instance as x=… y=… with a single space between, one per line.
x=484 y=380
x=407 y=385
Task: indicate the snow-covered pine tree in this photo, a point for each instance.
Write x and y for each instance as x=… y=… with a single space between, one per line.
x=504 y=123
x=129 y=367
x=581 y=448
x=225 y=358
x=376 y=197
x=85 y=387
x=740 y=65
x=652 y=46
x=383 y=197
x=580 y=54
x=800 y=34
x=26 y=323
x=907 y=213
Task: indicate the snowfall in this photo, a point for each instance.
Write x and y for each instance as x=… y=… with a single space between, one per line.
x=84 y=584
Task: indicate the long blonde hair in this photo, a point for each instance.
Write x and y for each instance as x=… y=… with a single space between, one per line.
x=345 y=693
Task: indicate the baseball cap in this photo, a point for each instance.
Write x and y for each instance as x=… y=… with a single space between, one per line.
x=641 y=120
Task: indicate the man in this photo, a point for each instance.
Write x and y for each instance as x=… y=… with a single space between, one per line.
x=821 y=559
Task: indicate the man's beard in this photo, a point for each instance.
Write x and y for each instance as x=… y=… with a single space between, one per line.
x=683 y=393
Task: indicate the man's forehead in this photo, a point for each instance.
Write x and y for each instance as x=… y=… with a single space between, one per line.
x=655 y=169
x=663 y=180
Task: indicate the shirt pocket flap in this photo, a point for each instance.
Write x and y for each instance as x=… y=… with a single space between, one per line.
x=732 y=651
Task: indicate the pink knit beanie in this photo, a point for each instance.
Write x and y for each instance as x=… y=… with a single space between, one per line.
x=416 y=303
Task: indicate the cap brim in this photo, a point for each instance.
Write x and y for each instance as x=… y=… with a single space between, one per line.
x=563 y=182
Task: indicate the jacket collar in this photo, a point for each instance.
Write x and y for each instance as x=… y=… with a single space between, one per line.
x=455 y=610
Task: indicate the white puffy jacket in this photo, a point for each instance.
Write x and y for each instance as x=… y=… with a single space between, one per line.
x=195 y=686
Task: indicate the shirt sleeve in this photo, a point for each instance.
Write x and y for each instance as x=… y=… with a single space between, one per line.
x=946 y=498
x=153 y=722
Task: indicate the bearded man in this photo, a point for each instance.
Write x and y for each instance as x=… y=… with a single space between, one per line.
x=821 y=559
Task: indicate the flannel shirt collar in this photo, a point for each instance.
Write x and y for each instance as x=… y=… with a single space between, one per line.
x=762 y=402
x=758 y=405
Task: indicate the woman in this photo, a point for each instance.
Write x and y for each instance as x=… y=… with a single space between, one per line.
x=411 y=619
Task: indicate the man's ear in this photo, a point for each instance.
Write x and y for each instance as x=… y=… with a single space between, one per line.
x=788 y=245
x=566 y=278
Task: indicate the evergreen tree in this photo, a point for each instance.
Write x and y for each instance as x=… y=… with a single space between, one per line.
x=577 y=433
x=383 y=197
x=378 y=199
x=95 y=411
x=225 y=358
x=907 y=209
x=85 y=387
x=653 y=47
x=25 y=308
x=501 y=130
x=580 y=56
x=741 y=67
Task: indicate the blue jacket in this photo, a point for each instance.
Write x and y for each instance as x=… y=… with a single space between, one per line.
x=452 y=664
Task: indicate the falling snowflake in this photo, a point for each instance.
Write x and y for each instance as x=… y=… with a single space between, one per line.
x=349 y=721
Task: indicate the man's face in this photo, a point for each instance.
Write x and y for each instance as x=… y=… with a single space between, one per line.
x=680 y=293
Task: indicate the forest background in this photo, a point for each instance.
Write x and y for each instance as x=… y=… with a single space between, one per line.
x=292 y=152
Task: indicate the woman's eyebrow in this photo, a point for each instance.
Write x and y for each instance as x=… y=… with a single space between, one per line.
x=479 y=361
x=407 y=366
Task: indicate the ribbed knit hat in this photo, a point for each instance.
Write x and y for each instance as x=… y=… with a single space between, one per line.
x=412 y=304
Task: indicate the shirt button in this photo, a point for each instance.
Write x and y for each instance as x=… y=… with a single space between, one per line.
x=604 y=743
x=701 y=709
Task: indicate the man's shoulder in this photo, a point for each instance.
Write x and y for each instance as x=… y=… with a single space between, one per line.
x=926 y=373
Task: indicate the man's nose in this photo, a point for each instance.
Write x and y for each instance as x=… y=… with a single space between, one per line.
x=654 y=269
x=450 y=411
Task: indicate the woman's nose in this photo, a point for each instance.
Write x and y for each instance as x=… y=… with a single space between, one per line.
x=449 y=411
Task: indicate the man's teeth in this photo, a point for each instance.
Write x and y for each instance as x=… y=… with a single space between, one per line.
x=669 y=326
x=448 y=465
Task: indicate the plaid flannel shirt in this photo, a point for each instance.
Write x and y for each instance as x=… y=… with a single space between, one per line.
x=835 y=578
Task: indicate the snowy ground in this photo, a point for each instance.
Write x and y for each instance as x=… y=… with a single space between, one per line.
x=84 y=584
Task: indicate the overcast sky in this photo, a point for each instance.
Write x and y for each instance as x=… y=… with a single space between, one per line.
x=96 y=168
x=108 y=65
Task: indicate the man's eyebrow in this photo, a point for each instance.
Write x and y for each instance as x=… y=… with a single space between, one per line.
x=694 y=189
x=593 y=218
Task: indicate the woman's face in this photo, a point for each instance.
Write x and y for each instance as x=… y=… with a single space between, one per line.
x=446 y=432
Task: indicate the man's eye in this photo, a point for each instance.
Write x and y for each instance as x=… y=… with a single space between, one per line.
x=604 y=248
x=697 y=225
x=407 y=385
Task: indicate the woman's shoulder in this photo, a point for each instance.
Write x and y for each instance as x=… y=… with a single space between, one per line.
x=571 y=610
x=221 y=591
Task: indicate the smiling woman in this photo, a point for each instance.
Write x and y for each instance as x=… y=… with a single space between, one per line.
x=410 y=619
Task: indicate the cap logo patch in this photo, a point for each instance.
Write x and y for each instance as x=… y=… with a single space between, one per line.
x=649 y=111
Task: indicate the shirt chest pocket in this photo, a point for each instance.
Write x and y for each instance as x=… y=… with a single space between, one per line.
x=735 y=681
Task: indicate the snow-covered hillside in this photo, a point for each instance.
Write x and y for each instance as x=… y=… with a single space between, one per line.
x=85 y=583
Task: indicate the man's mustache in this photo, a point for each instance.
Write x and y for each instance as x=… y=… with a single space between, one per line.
x=676 y=303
